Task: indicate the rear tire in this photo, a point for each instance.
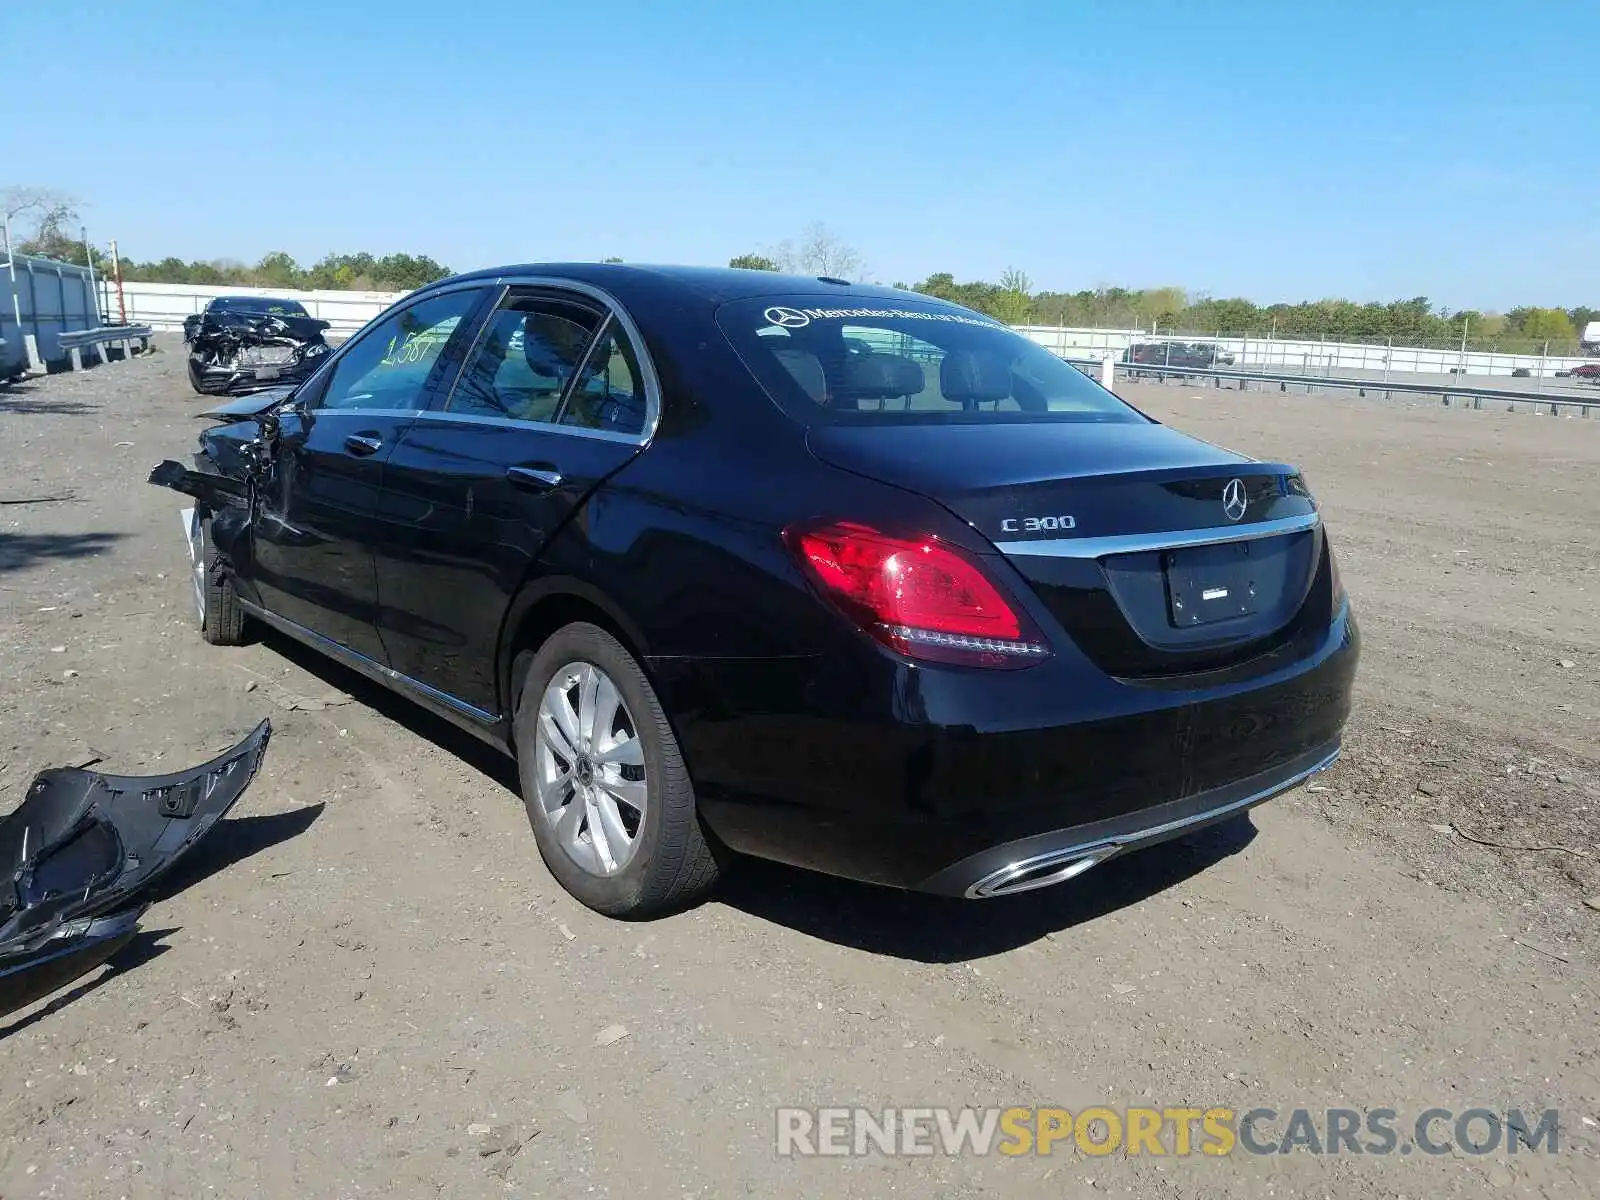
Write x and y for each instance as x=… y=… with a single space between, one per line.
x=656 y=857
x=221 y=617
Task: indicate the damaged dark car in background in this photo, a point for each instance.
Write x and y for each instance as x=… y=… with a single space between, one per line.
x=242 y=344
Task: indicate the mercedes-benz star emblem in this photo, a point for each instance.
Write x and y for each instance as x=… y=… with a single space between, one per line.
x=1234 y=501
x=788 y=318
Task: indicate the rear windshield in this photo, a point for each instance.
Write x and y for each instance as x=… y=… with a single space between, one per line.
x=901 y=361
x=259 y=304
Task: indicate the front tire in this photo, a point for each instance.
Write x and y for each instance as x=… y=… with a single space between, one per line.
x=216 y=603
x=605 y=786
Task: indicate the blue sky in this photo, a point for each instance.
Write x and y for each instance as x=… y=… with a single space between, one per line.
x=1278 y=151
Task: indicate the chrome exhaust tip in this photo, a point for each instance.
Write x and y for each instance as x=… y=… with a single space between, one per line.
x=1040 y=871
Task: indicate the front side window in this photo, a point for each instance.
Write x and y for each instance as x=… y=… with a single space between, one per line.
x=530 y=350
x=390 y=365
x=894 y=361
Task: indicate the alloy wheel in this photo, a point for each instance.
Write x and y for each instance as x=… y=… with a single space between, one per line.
x=589 y=769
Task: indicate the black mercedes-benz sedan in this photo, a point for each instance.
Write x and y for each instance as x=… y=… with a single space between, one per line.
x=243 y=344
x=735 y=562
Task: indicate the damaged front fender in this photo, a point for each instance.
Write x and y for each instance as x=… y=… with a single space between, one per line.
x=214 y=491
x=82 y=851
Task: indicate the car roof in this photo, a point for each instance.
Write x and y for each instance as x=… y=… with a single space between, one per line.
x=255 y=299
x=636 y=281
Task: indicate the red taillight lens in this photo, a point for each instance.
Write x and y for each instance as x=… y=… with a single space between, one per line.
x=919 y=595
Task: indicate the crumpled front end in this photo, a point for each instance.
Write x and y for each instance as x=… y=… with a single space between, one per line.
x=235 y=353
x=80 y=854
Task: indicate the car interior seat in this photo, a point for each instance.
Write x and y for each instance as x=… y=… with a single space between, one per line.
x=974 y=377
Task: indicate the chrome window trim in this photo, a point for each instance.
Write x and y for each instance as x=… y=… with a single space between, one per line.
x=615 y=312
x=445 y=418
x=1175 y=539
x=323 y=414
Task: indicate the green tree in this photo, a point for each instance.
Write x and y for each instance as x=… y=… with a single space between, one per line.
x=1012 y=302
x=1551 y=325
x=278 y=269
x=753 y=262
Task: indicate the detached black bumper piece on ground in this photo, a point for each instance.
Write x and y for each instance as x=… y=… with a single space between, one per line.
x=81 y=852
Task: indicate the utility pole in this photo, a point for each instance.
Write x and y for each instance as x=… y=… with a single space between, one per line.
x=11 y=265
x=116 y=271
x=93 y=296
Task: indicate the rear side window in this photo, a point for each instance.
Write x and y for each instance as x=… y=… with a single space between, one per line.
x=530 y=350
x=901 y=361
x=609 y=394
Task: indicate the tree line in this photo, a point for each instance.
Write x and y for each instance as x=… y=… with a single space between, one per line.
x=820 y=251
x=54 y=218
x=1417 y=321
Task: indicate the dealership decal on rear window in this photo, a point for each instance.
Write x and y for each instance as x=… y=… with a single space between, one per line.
x=795 y=318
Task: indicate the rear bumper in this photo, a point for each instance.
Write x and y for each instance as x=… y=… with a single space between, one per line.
x=940 y=780
x=1063 y=854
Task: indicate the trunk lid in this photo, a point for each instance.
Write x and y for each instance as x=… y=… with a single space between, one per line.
x=1159 y=554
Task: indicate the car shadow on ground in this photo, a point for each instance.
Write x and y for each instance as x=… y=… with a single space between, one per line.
x=18 y=550
x=17 y=400
x=397 y=708
x=936 y=929
x=909 y=925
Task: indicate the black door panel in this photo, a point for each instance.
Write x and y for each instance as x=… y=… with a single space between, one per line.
x=313 y=536
x=313 y=554
x=467 y=507
x=549 y=404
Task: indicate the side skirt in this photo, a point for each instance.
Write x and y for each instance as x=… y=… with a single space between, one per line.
x=487 y=727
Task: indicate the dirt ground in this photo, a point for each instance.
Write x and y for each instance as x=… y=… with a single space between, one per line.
x=370 y=986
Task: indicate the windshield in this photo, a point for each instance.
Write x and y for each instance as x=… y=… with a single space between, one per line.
x=901 y=361
x=258 y=304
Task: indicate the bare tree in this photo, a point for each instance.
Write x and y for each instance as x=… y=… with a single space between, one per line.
x=820 y=251
x=49 y=208
x=52 y=215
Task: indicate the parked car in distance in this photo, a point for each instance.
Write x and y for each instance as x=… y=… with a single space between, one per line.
x=734 y=562
x=1177 y=354
x=241 y=344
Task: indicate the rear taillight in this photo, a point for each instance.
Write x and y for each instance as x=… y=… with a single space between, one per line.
x=918 y=595
x=1334 y=577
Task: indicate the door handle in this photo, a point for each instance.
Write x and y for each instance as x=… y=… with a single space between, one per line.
x=363 y=444
x=533 y=479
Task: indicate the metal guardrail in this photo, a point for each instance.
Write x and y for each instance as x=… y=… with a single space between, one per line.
x=1091 y=366
x=79 y=338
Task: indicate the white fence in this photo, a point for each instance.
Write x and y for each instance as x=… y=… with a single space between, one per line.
x=164 y=306
x=1307 y=357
